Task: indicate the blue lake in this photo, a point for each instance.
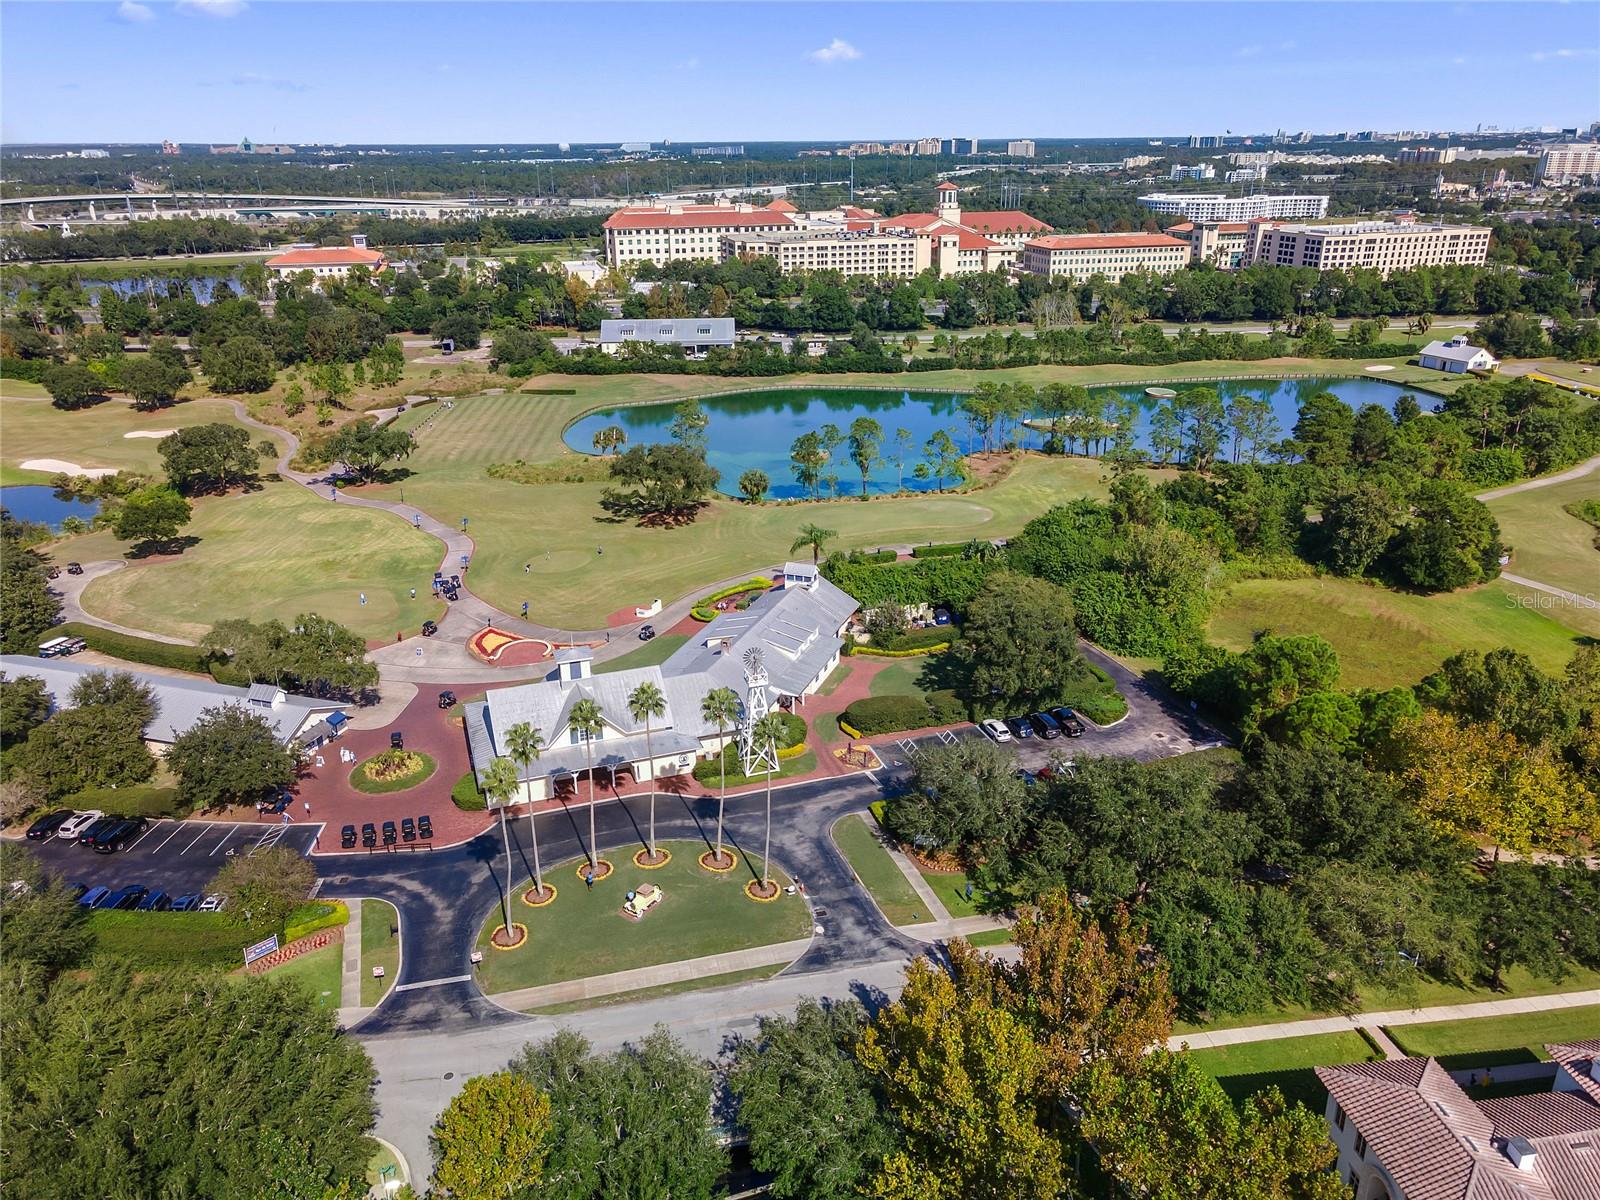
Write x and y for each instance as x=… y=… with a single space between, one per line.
x=755 y=429
x=42 y=505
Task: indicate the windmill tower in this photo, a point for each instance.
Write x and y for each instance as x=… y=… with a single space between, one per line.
x=753 y=758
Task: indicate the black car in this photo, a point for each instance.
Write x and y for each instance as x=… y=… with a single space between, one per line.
x=425 y=827
x=397 y=740
x=117 y=836
x=46 y=826
x=1019 y=727
x=389 y=835
x=87 y=837
x=1068 y=720
x=347 y=838
x=408 y=830
x=447 y=699
x=429 y=628
x=1045 y=725
x=369 y=835
x=646 y=632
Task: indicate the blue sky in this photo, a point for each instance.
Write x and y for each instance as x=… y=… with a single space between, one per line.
x=219 y=70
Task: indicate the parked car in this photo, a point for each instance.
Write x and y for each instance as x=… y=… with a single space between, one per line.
x=156 y=901
x=408 y=830
x=389 y=835
x=186 y=903
x=995 y=730
x=347 y=838
x=397 y=740
x=425 y=827
x=46 y=826
x=74 y=825
x=215 y=902
x=646 y=632
x=88 y=836
x=369 y=835
x=1019 y=727
x=447 y=699
x=77 y=889
x=941 y=616
x=125 y=897
x=1068 y=720
x=1045 y=725
x=109 y=841
x=92 y=897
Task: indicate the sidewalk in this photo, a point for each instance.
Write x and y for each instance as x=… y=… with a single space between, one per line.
x=776 y=955
x=1205 y=1040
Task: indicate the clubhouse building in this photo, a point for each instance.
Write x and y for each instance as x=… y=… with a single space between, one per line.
x=793 y=633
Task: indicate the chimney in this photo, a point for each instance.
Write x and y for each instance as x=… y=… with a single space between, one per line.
x=1522 y=1154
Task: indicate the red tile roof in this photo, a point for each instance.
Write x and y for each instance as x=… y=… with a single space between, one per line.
x=912 y=221
x=705 y=218
x=1106 y=241
x=781 y=205
x=947 y=186
x=334 y=256
x=1223 y=226
x=965 y=238
x=1579 y=1060
x=1542 y=1115
x=1003 y=221
x=854 y=213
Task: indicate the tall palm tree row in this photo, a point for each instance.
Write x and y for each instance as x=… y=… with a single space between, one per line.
x=500 y=784
x=524 y=743
x=646 y=703
x=721 y=708
x=588 y=719
x=768 y=729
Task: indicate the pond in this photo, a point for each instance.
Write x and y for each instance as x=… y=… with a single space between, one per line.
x=755 y=429
x=43 y=505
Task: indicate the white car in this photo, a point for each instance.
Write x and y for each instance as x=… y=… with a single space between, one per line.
x=995 y=730
x=213 y=902
x=78 y=822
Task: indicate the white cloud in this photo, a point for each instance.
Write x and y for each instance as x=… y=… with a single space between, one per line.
x=134 y=13
x=1563 y=53
x=1459 y=60
x=212 y=8
x=835 y=51
x=251 y=79
x=689 y=64
x=1248 y=51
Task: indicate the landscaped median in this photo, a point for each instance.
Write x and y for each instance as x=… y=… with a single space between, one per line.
x=585 y=934
x=392 y=771
x=380 y=947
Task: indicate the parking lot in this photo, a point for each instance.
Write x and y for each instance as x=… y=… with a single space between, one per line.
x=176 y=856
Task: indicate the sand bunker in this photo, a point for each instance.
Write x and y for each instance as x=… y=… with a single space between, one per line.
x=56 y=466
x=1380 y=367
x=150 y=433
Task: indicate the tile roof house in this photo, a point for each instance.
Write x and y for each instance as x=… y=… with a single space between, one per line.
x=1405 y=1130
x=180 y=700
x=330 y=262
x=798 y=629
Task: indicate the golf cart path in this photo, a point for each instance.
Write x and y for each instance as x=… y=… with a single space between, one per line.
x=1588 y=467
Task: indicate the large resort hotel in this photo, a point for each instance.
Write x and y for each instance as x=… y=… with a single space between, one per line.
x=771 y=656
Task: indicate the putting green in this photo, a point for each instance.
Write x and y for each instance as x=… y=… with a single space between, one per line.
x=277 y=552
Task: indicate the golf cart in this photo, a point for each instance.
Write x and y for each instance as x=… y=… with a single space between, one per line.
x=447 y=699
x=429 y=628
x=74 y=568
x=397 y=740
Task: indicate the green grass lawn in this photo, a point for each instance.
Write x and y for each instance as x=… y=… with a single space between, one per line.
x=902 y=677
x=384 y=1166
x=1548 y=543
x=1427 y=994
x=277 y=552
x=1385 y=637
x=895 y=896
x=1285 y=1064
x=1495 y=1041
x=951 y=889
x=648 y=654
x=583 y=933
x=94 y=437
x=990 y=937
x=380 y=947
x=321 y=970
x=727 y=979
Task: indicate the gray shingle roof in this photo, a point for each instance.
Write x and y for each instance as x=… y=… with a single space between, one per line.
x=179 y=699
x=1452 y=351
x=680 y=331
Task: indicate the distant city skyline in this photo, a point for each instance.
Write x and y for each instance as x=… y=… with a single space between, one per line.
x=213 y=71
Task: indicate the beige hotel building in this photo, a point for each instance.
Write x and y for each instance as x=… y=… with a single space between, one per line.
x=1381 y=246
x=1080 y=255
x=850 y=251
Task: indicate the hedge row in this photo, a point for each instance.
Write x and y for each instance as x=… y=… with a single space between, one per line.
x=939 y=550
x=910 y=652
x=921 y=639
x=466 y=796
x=141 y=801
x=703 y=611
x=147 y=651
x=314 y=915
x=895 y=714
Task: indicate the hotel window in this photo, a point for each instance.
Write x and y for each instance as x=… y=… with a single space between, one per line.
x=1338 y=1116
x=1361 y=1145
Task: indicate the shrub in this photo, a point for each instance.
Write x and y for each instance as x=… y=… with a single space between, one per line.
x=466 y=796
x=910 y=652
x=143 y=801
x=314 y=915
x=946 y=707
x=704 y=610
x=576 y=469
x=848 y=729
x=888 y=714
x=392 y=771
x=939 y=550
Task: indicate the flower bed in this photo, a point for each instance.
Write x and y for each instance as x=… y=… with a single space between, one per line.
x=392 y=771
x=705 y=608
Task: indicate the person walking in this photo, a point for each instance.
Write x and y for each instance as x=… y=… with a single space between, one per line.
x=307 y=805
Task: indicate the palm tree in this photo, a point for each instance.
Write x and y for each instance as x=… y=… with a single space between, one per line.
x=524 y=743
x=588 y=719
x=814 y=536
x=500 y=783
x=769 y=729
x=720 y=708
x=646 y=702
